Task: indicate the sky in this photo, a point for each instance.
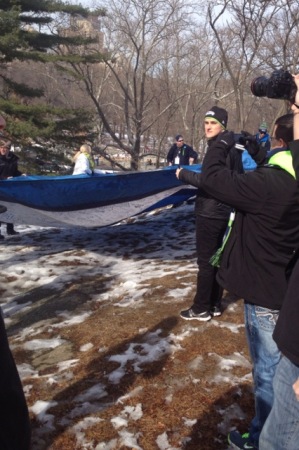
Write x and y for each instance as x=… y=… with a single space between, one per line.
x=42 y=257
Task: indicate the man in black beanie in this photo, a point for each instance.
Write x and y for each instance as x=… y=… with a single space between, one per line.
x=211 y=223
x=219 y=115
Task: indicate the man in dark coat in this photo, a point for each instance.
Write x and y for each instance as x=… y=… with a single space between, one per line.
x=8 y=169
x=263 y=239
x=181 y=153
x=211 y=222
x=263 y=137
x=281 y=430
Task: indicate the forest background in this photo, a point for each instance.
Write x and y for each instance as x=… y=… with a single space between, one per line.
x=131 y=74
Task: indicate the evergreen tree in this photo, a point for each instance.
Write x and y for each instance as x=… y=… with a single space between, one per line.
x=28 y=34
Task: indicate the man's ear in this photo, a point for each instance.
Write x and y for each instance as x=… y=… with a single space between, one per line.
x=282 y=143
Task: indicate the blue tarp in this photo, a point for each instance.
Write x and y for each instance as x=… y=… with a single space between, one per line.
x=97 y=200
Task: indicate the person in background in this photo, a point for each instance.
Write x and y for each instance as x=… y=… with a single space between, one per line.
x=263 y=138
x=8 y=169
x=2 y=127
x=181 y=153
x=211 y=222
x=263 y=238
x=84 y=162
x=281 y=430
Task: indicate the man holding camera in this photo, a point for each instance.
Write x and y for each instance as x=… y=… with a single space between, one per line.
x=263 y=237
x=281 y=430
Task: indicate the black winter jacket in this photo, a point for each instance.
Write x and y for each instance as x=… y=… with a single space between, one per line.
x=9 y=166
x=266 y=229
x=205 y=204
x=184 y=153
x=286 y=333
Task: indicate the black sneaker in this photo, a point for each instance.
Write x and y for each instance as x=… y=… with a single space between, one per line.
x=189 y=314
x=240 y=441
x=216 y=311
x=12 y=232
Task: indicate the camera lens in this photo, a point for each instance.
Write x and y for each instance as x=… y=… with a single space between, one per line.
x=259 y=86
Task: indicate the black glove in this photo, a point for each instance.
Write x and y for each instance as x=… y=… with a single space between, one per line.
x=250 y=143
x=227 y=138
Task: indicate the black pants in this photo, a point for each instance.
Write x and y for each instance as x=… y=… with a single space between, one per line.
x=209 y=235
x=14 y=418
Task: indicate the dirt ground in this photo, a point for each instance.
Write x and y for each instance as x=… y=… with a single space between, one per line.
x=199 y=391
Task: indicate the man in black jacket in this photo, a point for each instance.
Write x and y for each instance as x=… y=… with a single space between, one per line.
x=181 y=153
x=261 y=244
x=8 y=169
x=281 y=430
x=211 y=221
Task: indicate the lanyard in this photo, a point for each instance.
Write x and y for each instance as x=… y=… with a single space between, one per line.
x=216 y=258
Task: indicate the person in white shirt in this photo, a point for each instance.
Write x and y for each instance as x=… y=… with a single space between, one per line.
x=84 y=162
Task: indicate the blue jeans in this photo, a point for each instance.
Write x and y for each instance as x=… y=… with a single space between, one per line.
x=281 y=430
x=259 y=326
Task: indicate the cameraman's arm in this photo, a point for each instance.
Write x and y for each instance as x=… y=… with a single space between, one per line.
x=260 y=157
x=245 y=193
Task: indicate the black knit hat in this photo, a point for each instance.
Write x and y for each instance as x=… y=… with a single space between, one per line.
x=178 y=136
x=218 y=114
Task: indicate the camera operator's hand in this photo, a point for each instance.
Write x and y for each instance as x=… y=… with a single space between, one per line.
x=227 y=138
x=250 y=143
x=255 y=150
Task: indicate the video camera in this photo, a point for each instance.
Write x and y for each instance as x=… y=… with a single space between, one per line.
x=280 y=85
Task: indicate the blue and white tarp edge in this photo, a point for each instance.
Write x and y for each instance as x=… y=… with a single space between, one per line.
x=101 y=200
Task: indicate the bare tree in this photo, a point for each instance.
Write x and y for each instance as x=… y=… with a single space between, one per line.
x=241 y=28
x=136 y=36
x=162 y=65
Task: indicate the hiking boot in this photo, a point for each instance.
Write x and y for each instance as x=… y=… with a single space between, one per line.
x=216 y=311
x=1 y=236
x=189 y=314
x=240 y=441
